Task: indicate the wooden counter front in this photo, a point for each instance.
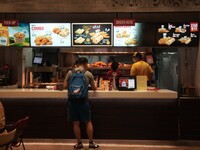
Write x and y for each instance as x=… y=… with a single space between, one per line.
x=145 y=115
x=44 y=93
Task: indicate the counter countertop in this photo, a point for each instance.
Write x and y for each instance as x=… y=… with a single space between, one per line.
x=44 y=93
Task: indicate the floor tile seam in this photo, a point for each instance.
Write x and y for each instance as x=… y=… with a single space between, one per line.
x=105 y=145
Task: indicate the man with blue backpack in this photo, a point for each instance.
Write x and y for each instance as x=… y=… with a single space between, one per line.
x=77 y=81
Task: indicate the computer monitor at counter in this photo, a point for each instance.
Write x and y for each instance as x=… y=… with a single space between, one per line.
x=126 y=83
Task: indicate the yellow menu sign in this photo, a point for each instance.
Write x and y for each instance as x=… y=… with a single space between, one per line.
x=4 y=39
x=141 y=82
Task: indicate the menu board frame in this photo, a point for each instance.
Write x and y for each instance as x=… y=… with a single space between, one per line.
x=4 y=35
x=20 y=37
x=62 y=31
x=92 y=34
x=177 y=34
x=141 y=34
x=15 y=36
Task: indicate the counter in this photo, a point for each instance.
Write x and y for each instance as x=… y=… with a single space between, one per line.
x=144 y=115
x=44 y=93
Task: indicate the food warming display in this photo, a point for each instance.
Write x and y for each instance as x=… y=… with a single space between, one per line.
x=92 y=34
x=177 y=34
x=50 y=34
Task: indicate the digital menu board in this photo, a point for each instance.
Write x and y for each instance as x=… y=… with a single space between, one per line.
x=92 y=34
x=19 y=35
x=4 y=37
x=15 y=35
x=50 y=34
x=140 y=34
x=177 y=34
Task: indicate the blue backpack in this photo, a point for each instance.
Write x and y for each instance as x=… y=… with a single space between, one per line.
x=78 y=87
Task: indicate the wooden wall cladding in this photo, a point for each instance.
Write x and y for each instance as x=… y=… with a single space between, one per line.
x=189 y=121
x=144 y=119
x=62 y=6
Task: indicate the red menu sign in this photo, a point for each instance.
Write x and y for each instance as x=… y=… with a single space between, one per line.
x=124 y=22
x=194 y=27
x=10 y=22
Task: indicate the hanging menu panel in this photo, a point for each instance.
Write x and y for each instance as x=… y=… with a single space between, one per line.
x=139 y=34
x=177 y=34
x=92 y=34
x=50 y=34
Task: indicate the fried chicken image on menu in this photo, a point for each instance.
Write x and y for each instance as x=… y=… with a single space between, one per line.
x=43 y=40
x=163 y=30
x=166 y=41
x=61 y=32
x=131 y=41
x=122 y=34
x=99 y=64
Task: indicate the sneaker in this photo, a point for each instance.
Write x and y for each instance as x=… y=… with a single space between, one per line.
x=92 y=145
x=78 y=146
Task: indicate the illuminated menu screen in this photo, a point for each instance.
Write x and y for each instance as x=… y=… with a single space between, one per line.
x=4 y=38
x=15 y=35
x=140 y=34
x=50 y=34
x=177 y=34
x=92 y=34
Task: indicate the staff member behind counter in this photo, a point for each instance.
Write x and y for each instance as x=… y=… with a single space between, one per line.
x=141 y=68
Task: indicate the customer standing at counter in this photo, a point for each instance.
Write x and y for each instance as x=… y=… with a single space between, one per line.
x=141 y=68
x=80 y=111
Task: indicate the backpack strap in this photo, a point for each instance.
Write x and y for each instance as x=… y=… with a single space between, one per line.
x=78 y=70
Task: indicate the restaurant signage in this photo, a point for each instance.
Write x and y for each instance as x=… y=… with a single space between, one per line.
x=124 y=22
x=10 y=22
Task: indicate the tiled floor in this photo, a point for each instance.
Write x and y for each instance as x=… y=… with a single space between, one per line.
x=55 y=144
